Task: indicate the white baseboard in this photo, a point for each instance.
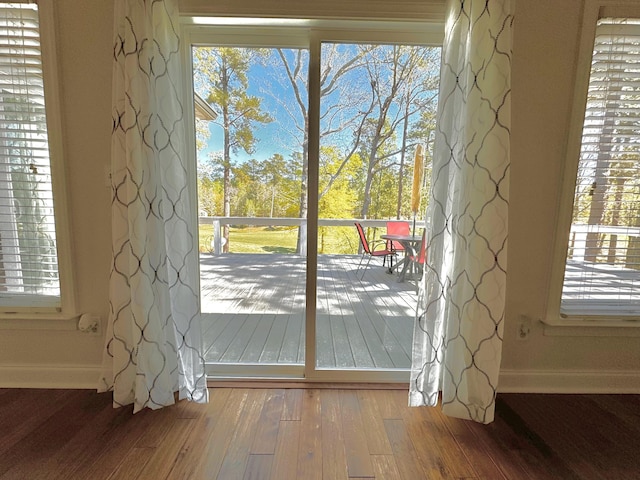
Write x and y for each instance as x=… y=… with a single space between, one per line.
x=511 y=381
x=568 y=381
x=49 y=376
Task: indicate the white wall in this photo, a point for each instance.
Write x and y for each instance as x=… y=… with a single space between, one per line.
x=545 y=49
x=45 y=357
x=546 y=37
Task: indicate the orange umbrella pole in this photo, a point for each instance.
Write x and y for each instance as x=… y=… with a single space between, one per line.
x=418 y=166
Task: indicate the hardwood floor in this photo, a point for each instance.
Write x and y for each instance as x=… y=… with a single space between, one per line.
x=278 y=433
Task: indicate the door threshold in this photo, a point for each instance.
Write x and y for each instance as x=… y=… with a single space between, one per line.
x=298 y=384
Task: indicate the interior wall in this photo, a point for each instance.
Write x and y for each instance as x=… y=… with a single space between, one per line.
x=546 y=38
x=545 y=49
x=84 y=48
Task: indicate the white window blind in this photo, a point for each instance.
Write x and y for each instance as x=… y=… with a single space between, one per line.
x=28 y=253
x=602 y=275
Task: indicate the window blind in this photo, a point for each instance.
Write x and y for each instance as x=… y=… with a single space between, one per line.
x=28 y=253
x=602 y=275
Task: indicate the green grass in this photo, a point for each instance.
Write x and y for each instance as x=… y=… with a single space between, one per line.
x=263 y=240
x=342 y=240
x=205 y=236
x=254 y=239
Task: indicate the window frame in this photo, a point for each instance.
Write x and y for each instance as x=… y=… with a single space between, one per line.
x=582 y=324
x=14 y=317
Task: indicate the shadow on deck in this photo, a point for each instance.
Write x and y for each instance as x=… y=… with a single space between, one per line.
x=254 y=308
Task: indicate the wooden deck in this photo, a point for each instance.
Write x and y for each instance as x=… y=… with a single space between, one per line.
x=592 y=289
x=254 y=307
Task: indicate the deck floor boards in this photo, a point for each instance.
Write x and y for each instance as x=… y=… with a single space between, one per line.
x=254 y=311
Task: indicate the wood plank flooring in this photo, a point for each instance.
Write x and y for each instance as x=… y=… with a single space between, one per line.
x=254 y=308
x=329 y=434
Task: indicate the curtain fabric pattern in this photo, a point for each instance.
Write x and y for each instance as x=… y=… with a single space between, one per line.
x=459 y=322
x=154 y=341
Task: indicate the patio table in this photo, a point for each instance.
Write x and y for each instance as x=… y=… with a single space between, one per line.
x=411 y=244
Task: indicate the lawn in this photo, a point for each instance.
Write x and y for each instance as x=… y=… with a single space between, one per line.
x=281 y=239
x=254 y=239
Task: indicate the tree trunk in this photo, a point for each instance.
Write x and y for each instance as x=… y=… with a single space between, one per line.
x=615 y=220
x=596 y=211
x=632 y=259
x=304 y=199
x=405 y=128
x=227 y=162
x=227 y=194
x=373 y=157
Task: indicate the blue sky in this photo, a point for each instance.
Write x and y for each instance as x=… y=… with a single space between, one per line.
x=272 y=136
x=268 y=80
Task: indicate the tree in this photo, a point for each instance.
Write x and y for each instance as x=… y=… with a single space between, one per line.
x=210 y=186
x=337 y=117
x=365 y=88
x=249 y=192
x=273 y=173
x=377 y=149
x=377 y=103
x=29 y=259
x=342 y=201
x=402 y=84
x=226 y=68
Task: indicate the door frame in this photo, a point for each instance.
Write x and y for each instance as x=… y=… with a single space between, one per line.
x=308 y=34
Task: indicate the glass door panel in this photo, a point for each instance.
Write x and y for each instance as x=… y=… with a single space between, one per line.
x=251 y=115
x=377 y=104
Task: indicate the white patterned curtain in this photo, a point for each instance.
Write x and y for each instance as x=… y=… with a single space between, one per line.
x=154 y=341
x=457 y=341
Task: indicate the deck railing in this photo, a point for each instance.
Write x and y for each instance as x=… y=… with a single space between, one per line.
x=301 y=223
x=614 y=245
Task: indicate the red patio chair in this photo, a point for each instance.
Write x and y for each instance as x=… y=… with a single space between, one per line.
x=395 y=227
x=421 y=256
x=369 y=252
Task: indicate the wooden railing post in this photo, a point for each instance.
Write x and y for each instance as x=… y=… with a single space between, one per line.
x=303 y=238
x=217 y=243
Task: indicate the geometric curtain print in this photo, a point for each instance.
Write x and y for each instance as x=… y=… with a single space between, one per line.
x=154 y=341
x=457 y=343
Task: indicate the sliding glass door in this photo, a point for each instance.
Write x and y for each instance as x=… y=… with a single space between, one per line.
x=300 y=133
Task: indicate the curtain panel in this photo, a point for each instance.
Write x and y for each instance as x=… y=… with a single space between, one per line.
x=154 y=343
x=458 y=331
